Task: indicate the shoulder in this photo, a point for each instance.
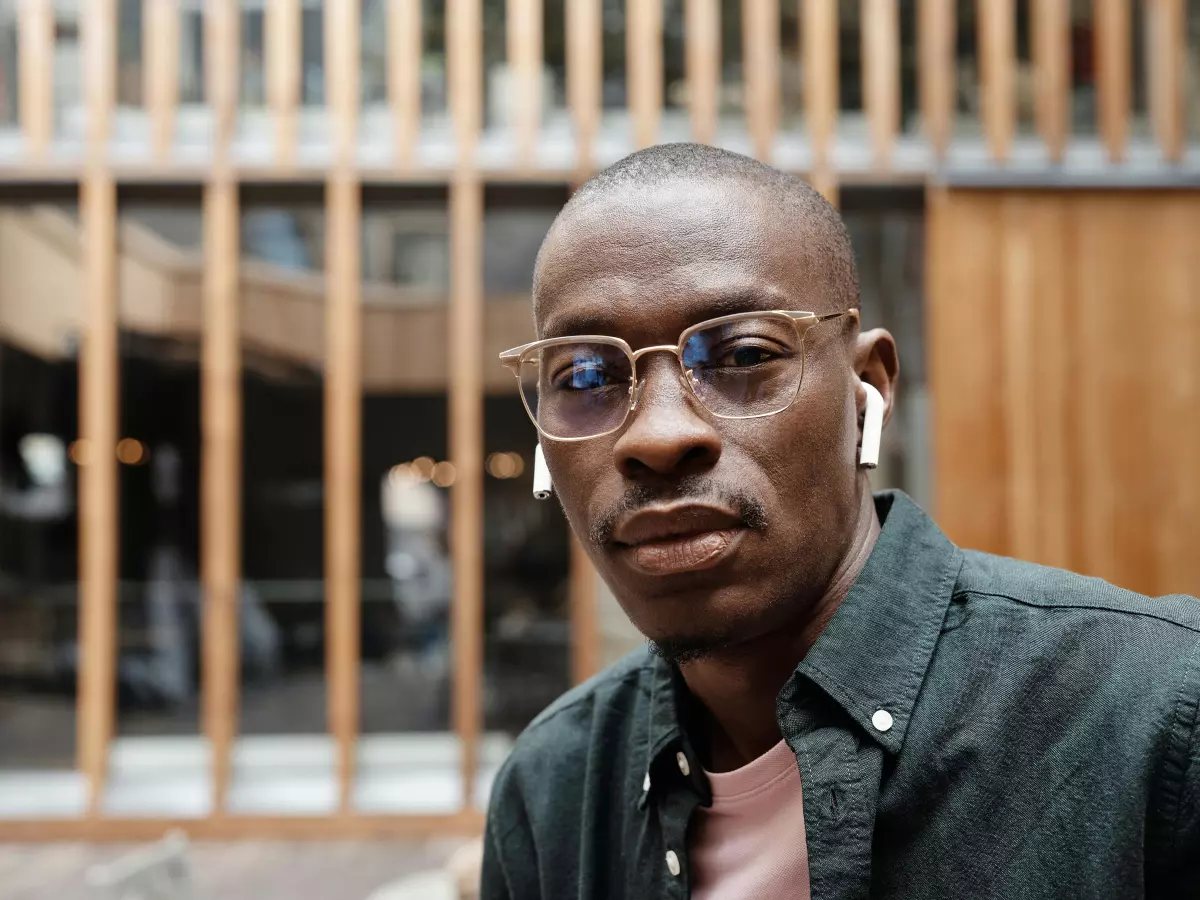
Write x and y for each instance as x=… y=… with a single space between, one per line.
x=1065 y=595
x=1066 y=629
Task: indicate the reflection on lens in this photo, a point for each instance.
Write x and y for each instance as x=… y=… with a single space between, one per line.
x=577 y=389
x=746 y=367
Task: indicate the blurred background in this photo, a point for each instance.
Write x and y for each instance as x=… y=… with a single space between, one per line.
x=269 y=564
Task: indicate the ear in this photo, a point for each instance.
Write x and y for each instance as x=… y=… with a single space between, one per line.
x=876 y=363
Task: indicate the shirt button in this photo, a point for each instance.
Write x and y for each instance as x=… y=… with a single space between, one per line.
x=684 y=766
x=646 y=783
x=672 y=862
x=882 y=720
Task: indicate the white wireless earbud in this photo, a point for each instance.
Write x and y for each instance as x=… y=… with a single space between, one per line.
x=872 y=430
x=542 y=486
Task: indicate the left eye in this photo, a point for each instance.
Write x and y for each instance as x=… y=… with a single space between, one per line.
x=744 y=356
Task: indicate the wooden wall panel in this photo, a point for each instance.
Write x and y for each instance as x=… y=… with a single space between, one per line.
x=1064 y=365
x=1113 y=71
x=525 y=39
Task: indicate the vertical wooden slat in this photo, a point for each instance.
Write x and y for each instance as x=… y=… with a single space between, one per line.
x=644 y=67
x=466 y=451
x=585 y=71
x=935 y=39
x=702 y=21
x=343 y=393
x=1112 y=75
x=464 y=51
x=160 y=71
x=98 y=514
x=1051 y=31
x=997 y=46
x=760 y=30
x=221 y=479
x=585 y=629
x=404 y=73
x=525 y=66
x=35 y=79
x=221 y=416
x=820 y=60
x=881 y=75
x=282 y=39
x=1167 y=59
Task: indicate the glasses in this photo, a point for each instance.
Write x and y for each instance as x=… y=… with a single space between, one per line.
x=744 y=366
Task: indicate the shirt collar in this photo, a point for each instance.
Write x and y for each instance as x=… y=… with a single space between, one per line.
x=875 y=650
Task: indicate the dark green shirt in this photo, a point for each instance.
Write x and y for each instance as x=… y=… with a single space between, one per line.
x=1043 y=743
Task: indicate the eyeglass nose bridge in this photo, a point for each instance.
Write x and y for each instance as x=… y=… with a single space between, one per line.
x=639 y=381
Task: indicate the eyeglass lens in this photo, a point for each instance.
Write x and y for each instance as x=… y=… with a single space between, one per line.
x=741 y=368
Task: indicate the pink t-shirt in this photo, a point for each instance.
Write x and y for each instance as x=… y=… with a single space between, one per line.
x=750 y=843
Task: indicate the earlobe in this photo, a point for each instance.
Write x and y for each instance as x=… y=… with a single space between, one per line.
x=872 y=429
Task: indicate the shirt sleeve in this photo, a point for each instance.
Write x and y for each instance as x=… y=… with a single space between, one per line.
x=1182 y=789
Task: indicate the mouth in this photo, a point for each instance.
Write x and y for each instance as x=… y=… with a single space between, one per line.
x=672 y=540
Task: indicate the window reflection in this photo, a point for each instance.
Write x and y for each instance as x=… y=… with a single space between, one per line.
x=283 y=498
x=158 y=454
x=8 y=63
x=406 y=569
x=40 y=322
x=886 y=228
x=526 y=547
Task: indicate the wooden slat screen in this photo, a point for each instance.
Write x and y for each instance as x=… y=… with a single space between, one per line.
x=1027 y=499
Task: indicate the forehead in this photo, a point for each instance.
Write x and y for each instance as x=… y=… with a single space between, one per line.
x=644 y=265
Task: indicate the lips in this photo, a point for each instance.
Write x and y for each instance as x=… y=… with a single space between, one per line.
x=672 y=540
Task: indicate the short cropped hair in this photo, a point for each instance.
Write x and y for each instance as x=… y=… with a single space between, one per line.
x=830 y=250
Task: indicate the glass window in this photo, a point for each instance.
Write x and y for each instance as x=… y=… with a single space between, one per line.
x=253 y=58
x=8 y=63
x=283 y=499
x=41 y=318
x=373 y=49
x=527 y=648
x=312 y=54
x=434 y=88
x=129 y=53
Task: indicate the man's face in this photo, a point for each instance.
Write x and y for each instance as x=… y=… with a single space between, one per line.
x=709 y=531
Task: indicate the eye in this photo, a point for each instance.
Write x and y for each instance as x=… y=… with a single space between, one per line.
x=740 y=357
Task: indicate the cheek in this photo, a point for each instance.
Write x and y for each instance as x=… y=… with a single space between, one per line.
x=576 y=470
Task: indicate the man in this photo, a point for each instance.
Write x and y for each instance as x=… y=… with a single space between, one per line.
x=837 y=702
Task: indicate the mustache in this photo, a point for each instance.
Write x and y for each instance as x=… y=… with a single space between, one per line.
x=695 y=488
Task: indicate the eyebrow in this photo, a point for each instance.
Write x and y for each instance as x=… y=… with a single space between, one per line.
x=604 y=322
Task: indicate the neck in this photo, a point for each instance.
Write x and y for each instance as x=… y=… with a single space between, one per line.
x=737 y=688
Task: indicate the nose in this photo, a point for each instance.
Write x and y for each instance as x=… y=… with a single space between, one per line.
x=669 y=434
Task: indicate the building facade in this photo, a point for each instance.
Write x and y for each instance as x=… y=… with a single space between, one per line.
x=268 y=558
